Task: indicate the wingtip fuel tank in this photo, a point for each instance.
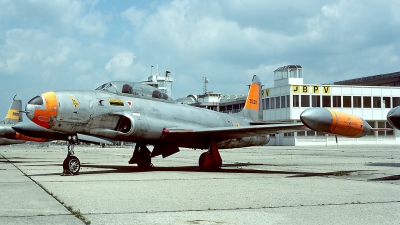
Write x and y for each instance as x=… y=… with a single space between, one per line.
x=335 y=122
x=393 y=117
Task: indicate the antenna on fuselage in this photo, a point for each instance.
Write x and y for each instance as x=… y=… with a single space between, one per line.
x=205 y=82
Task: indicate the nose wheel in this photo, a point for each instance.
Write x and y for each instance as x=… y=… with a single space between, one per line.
x=71 y=164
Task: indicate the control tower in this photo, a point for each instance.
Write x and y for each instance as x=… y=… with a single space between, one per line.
x=288 y=75
x=163 y=83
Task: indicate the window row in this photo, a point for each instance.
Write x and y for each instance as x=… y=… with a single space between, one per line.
x=276 y=102
x=345 y=101
x=330 y=101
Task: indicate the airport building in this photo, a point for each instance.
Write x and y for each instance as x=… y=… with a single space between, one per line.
x=370 y=98
x=164 y=84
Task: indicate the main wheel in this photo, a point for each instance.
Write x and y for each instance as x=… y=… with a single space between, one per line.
x=72 y=164
x=202 y=159
x=144 y=161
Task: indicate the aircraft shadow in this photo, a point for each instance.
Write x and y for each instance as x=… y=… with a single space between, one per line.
x=110 y=169
x=384 y=164
x=388 y=178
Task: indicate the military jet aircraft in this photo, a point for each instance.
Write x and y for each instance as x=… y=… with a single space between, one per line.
x=8 y=135
x=139 y=113
x=393 y=117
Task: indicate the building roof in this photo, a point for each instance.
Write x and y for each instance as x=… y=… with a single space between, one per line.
x=285 y=68
x=388 y=79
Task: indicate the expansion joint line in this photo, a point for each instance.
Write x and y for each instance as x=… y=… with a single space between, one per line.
x=76 y=213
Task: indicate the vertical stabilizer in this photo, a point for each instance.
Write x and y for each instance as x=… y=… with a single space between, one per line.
x=253 y=108
x=13 y=116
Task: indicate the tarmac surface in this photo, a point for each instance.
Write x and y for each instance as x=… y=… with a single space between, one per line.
x=257 y=185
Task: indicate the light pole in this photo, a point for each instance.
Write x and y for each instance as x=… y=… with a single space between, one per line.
x=151 y=71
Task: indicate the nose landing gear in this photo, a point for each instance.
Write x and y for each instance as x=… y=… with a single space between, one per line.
x=71 y=164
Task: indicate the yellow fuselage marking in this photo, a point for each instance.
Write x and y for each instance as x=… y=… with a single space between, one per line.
x=74 y=101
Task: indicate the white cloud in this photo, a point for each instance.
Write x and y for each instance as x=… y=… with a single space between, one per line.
x=121 y=64
x=134 y=16
x=330 y=11
x=92 y=24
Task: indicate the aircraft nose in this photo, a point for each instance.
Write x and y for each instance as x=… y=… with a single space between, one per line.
x=43 y=109
x=318 y=119
x=31 y=106
x=393 y=117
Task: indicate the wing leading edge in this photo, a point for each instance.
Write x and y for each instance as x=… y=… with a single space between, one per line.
x=221 y=133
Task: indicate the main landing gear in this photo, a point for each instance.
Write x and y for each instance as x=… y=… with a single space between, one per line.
x=141 y=156
x=71 y=164
x=210 y=160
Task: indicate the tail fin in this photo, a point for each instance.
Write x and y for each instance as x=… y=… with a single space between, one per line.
x=253 y=108
x=13 y=116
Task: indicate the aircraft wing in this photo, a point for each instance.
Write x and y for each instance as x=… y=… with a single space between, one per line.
x=233 y=132
x=94 y=139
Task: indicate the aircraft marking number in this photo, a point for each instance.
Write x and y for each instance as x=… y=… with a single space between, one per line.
x=252 y=101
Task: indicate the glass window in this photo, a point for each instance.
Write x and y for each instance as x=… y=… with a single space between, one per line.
x=367 y=101
x=386 y=102
x=376 y=102
x=290 y=134
x=305 y=101
x=293 y=73
x=277 y=102
x=326 y=101
x=288 y=101
x=316 y=101
x=283 y=101
x=396 y=101
x=272 y=103
x=347 y=101
x=357 y=101
x=301 y=133
x=295 y=101
x=310 y=133
x=337 y=101
x=38 y=100
x=267 y=103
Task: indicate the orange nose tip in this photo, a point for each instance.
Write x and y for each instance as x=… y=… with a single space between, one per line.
x=46 y=116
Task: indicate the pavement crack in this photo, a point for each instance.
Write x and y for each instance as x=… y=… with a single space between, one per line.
x=249 y=208
x=74 y=212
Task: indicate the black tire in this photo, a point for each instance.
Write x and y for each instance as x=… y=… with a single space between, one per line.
x=202 y=159
x=144 y=161
x=72 y=164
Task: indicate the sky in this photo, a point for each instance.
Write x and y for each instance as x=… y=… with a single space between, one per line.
x=76 y=45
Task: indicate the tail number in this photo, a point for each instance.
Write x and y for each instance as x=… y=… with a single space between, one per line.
x=252 y=101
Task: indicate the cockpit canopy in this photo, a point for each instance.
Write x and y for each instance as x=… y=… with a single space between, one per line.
x=135 y=90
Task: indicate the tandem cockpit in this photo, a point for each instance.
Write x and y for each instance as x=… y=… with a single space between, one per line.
x=136 y=90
